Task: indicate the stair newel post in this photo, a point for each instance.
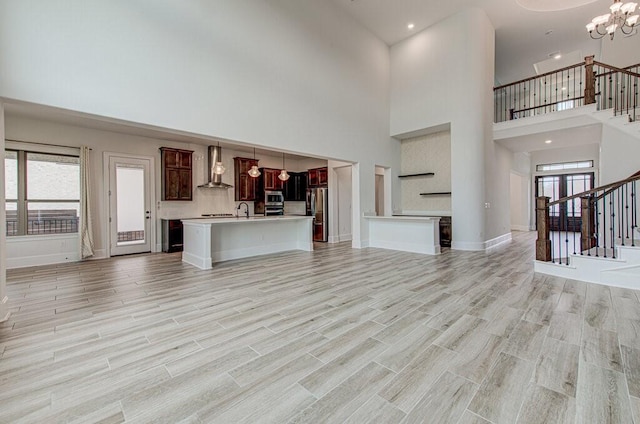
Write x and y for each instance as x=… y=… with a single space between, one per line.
x=590 y=81
x=543 y=243
x=587 y=230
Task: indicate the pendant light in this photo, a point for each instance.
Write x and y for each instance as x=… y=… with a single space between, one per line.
x=284 y=176
x=254 y=172
x=219 y=167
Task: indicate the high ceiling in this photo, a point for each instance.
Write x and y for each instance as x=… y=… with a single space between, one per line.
x=521 y=33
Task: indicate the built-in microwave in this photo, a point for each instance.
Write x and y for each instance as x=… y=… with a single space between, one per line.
x=273 y=198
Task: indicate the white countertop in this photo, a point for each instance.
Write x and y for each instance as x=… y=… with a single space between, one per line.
x=405 y=218
x=242 y=219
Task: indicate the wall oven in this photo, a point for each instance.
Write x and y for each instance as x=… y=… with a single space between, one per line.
x=273 y=202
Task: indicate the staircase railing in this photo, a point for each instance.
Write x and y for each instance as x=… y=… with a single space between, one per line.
x=581 y=84
x=591 y=223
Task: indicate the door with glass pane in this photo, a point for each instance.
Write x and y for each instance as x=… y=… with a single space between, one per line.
x=129 y=205
x=566 y=216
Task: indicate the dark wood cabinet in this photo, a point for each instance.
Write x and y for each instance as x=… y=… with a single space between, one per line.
x=318 y=177
x=245 y=185
x=295 y=188
x=176 y=174
x=171 y=235
x=445 y=231
x=270 y=180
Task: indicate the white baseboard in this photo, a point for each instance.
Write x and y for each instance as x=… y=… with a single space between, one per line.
x=481 y=245
x=345 y=237
x=359 y=244
x=28 y=261
x=5 y=313
x=495 y=242
x=467 y=245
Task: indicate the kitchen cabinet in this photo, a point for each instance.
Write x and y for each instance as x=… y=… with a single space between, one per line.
x=245 y=186
x=318 y=177
x=270 y=180
x=172 y=235
x=176 y=173
x=295 y=188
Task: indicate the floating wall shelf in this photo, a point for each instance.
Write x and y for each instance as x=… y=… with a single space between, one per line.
x=424 y=174
x=442 y=193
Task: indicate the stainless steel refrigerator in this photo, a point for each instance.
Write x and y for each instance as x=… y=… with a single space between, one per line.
x=318 y=207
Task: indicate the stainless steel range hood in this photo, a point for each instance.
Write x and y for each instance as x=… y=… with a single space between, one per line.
x=215 y=179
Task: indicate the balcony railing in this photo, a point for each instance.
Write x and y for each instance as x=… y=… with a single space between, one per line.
x=44 y=222
x=581 y=84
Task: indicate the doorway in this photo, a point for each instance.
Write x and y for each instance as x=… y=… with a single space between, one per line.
x=129 y=199
x=566 y=216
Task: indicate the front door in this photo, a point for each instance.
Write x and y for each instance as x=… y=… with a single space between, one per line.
x=129 y=205
x=565 y=216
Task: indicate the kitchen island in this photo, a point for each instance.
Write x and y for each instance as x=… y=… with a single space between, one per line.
x=417 y=234
x=210 y=240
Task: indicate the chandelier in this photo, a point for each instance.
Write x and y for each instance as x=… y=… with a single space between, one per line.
x=284 y=175
x=620 y=17
x=254 y=172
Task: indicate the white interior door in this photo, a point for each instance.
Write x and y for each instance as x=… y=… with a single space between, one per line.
x=129 y=205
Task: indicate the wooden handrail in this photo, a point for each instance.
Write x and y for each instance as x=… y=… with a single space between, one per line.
x=615 y=69
x=614 y=185
x=539 y=76
x=624 y=70
x=606 y=192
x=547 y=104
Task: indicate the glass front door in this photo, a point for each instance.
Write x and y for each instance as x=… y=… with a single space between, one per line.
x=566 y=216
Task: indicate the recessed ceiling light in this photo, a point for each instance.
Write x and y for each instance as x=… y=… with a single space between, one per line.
x=564 y=88
x=410 y=26
x=548 y=141
x=557 y=56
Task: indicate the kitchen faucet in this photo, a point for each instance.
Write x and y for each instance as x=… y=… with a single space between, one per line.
x=246 y=209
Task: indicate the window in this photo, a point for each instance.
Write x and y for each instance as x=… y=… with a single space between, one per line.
x=566 y=105
x=564 y=165
x=42 y=193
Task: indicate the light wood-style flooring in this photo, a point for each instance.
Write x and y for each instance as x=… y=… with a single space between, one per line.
x=337 y=335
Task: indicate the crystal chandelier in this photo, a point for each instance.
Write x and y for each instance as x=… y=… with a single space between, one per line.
x=620 y=17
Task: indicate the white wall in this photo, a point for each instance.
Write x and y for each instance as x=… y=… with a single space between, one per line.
x=617 y=148
x=442 y=75
x=497 y=195
x=521 y=194
x=621 y=51
x=4 y=308
x=566 y=154
x=520 y=198
x=344 y=196
x=298 y=76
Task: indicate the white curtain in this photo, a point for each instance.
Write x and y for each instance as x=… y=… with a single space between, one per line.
x=86 y=224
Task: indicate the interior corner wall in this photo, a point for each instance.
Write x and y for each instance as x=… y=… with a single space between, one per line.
x=4 y=307
x=303 y=77
x=616 y=145
x=442 y=75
